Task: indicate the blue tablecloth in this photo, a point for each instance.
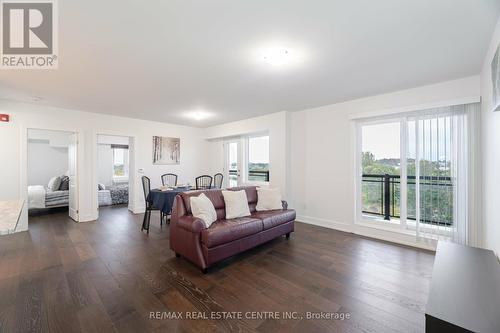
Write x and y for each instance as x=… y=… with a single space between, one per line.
x=164 y=200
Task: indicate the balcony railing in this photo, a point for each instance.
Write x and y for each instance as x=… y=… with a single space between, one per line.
x=253 y=175
x=381 y=197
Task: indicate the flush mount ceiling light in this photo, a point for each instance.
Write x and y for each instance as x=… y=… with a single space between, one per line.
x=198 y=115
x=278 y=56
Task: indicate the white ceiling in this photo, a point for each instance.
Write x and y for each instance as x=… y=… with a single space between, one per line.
x=159 y=59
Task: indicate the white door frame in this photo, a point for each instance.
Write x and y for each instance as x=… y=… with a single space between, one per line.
x=23 y=177
x=133 y=206
x=73 y=203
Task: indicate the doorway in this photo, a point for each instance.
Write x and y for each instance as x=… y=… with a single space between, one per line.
x=233 y=162
x=52 y=172
x=113 y=171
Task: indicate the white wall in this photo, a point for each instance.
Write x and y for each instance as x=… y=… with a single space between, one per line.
x=491 y=152
x=13 y=142
x=275 y=124
x=322 y=151
x=45 y=161
x=47 y=155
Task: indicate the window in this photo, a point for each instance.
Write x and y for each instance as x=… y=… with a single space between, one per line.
x=258 y=159
x=381 y=168
x=120 y=162
x=413 y=171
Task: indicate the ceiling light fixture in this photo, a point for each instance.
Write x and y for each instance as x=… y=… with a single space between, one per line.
x=279 y=56
x=198 y=115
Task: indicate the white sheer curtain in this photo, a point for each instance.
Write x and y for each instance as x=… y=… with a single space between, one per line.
x=447 y=200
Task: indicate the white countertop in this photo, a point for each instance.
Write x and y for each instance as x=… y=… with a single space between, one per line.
x=10 y=210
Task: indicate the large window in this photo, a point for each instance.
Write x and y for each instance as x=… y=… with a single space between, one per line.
x=413 y=171
x=120 y=162
x=258 y=159
x=246 y=160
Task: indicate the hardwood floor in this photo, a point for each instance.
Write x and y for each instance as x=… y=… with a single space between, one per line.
x=107 y=276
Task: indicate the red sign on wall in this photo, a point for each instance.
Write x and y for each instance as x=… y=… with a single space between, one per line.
x=4 y=118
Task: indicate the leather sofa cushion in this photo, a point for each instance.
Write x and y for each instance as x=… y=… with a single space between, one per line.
x=251 y=192
x=218 y=200
x=214 y=195
x=225 y=231
x=272 y=218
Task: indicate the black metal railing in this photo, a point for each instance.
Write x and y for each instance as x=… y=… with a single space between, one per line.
x=253 y=175
x=381 y=197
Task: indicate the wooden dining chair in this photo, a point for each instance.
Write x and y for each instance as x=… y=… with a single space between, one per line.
x=203 y=182
x=169 y=179
x=218 y=178
x=146 y=186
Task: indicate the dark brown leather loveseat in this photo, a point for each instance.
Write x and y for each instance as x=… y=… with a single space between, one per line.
x=224 y=238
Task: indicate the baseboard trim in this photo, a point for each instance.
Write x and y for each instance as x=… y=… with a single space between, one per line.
x=140 y=209
x=88 y=217
x=325 y=223
x=384 y=235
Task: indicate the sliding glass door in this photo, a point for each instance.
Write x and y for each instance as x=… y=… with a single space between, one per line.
x=414 y=172
x=233 y=163
x=381 y=171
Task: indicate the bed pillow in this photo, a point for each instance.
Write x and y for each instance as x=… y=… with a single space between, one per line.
x=54 y=184
x=64 y=183
x=204 y=209
x=236 y=204
x=268 y=199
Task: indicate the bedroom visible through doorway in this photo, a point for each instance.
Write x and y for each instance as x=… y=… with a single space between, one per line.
x=52 y=172
x=113 y=170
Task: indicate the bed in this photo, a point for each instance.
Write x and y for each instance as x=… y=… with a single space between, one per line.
x=113 y=195
x=39 y=197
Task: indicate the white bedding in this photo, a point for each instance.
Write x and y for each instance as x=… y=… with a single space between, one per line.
x=36 y=196
x=104 y=197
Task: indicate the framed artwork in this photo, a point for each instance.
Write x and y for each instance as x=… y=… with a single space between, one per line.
x=166 y=150
x=495 y=80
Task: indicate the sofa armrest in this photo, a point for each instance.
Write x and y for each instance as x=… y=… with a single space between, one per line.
x=191 y=223
x=284 y=204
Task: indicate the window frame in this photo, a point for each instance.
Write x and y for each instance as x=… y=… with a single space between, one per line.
x=404 y=226
x=246 y=160
x=401 y=224
x=125 y=177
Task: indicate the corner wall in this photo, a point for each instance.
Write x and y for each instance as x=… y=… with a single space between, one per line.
x=490 y=143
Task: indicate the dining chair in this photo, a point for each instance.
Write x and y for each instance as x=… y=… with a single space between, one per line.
x=218 y=178
x=203 y=182
x=169 y=179
x=146 y=186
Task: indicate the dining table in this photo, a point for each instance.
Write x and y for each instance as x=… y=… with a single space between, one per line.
x=163 y=199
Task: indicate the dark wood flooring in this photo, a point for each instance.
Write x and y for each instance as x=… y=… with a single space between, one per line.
x=107 y=276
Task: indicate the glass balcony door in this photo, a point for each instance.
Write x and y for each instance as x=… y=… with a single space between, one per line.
x=233 y=163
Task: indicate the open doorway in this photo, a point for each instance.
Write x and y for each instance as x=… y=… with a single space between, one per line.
x=52 y=172
x=113 y=170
